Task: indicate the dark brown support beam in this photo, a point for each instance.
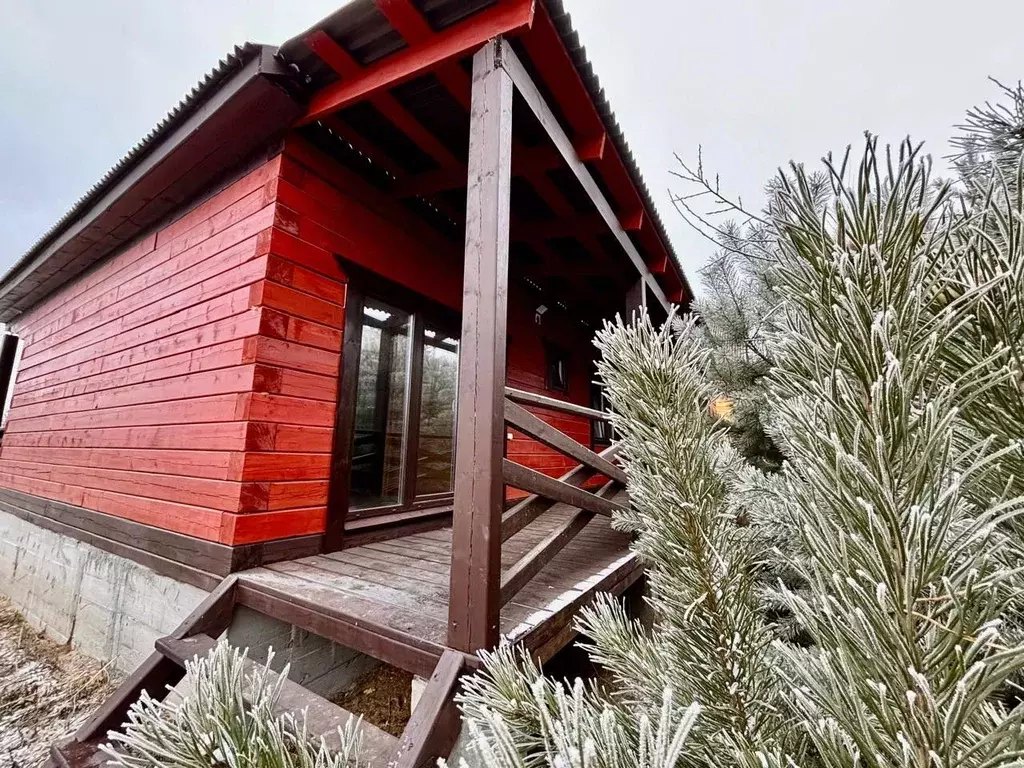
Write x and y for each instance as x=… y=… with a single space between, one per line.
x=413 y=395
x=533 y=481
x=434 y=726
x=636 y=299
x=533 y=97
x=543 y=401
x=530 y=564
x=474 y=607
x=540 y=430
x=344 y=422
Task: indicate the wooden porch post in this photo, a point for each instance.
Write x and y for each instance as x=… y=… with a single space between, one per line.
x=636 y=299
x=474 y=602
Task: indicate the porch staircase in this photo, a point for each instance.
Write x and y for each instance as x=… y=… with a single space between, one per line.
x=430 y=732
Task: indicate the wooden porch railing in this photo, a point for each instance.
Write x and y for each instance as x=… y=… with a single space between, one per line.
x=547 y=491
x=478 y=588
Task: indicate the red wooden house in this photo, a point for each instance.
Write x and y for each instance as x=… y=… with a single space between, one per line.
x=329 y=326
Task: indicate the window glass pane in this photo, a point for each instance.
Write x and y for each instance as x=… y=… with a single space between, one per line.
x=380 y=406
x=558 y=369
x=436 y=453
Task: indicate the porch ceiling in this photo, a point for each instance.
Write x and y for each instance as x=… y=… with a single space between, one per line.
x=390 y=95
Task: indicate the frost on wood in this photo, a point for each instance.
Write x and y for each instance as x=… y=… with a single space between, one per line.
x=227 y=719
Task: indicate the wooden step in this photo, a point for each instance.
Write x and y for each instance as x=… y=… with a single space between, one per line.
x=323 y=718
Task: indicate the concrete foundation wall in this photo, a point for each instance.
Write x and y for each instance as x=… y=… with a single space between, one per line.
x=106 y=606
x=323 y=667
x=114 y=609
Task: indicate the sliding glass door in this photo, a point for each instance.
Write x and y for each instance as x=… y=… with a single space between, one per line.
x=403 y=442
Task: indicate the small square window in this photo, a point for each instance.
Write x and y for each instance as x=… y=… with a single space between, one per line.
x=557 y=369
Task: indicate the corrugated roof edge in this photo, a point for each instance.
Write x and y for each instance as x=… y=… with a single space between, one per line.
x=578 y=53
x=231 y=63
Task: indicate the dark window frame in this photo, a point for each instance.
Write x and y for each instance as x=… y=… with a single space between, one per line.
x=600 y=431
x=10 y=348
x=423 y=312
x=553 y=355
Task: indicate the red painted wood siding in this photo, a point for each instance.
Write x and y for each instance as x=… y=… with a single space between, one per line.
x=190 y=381
x=527 y=369
x=331 y=210
x=140 y=381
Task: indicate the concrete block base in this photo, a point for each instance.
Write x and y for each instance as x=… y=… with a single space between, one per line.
x=114 y=609
x=104 y=605
x=321 y=666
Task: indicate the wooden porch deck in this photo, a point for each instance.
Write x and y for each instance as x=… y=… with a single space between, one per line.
x=392 y=596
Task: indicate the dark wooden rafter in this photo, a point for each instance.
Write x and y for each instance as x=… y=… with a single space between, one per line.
x=410 y=23
x=443 y=47
x=347 y=68
x=533 y=97
x=474 y=608
x=532 y=163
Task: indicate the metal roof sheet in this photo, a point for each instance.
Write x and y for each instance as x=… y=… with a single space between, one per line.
x=361 y=27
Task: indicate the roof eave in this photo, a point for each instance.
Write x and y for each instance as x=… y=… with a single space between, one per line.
x=128 y=200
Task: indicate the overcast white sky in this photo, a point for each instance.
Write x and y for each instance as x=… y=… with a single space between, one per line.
x=757 y=82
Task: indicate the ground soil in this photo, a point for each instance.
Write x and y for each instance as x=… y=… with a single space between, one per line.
x=382 y=697
x=46 y=690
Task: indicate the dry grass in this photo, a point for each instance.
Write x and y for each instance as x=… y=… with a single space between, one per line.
x=46 y=690
x=382 y=697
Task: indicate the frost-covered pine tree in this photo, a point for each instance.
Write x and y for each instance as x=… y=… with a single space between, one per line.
x=895 y=333
x=895 y=497
x=226 y=718
x=710 y=642
x=737 y=304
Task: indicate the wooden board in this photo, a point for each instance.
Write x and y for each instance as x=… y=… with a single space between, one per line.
x=389 y=599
